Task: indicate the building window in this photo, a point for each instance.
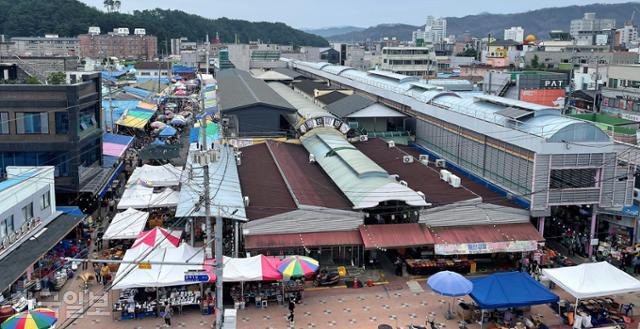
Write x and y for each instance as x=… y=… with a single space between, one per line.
x=8 y=225
x=4 y=123
x=32 y=122
x=62 y=123
x=45 y=201
x=27 y=211
x=87 y=120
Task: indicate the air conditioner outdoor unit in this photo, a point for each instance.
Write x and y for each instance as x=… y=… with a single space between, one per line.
x=364 y=138
x=312 y=158
x=407 y=159
x=454 y=181
x=441 y=163
x=246 y=201
x=422 y=195
x=396 y=177
x=424 y=159
x=636 y=194
x=391 y=143
x=444 y=175
x=404 y=183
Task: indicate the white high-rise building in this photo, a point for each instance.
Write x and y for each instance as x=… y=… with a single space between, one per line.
x=435 y=30
x=514 y=33
x=629 y=35
x=589 y=22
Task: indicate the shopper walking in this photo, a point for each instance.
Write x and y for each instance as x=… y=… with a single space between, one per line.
x=105 y=273
x=167 y=314
x=292 y=308
x=96 y=270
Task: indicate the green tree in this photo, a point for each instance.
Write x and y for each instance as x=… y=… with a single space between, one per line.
x=469 y=52
x=32 y=80
x=112 y=5
x=57 y=78
x=535 y=62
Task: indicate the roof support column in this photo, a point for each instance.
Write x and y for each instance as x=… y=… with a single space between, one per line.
x=541 y=226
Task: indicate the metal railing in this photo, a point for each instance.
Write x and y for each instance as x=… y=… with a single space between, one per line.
x=30 y=69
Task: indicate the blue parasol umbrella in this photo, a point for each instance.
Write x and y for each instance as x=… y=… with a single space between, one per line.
x=450 y=284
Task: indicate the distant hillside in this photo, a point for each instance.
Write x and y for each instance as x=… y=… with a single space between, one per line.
x=329 y=31
x=71 y=17
x=400 y=31
x=538 y=22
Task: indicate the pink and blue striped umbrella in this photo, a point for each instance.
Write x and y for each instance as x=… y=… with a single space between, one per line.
x=39 y=318
x=297 y=266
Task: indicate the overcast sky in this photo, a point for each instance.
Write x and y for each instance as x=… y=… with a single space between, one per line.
x=327 y=13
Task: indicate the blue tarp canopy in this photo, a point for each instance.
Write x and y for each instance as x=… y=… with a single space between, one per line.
x=158 y=142
x=183 y=69
x=510 y=289
x=168 y=131
x=137 y=91
x=113 y=76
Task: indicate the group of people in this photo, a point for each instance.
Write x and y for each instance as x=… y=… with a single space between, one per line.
x=103 y=273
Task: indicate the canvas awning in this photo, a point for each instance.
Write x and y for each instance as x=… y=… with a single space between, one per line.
x=126 y=225
x=156 y=176
x=160 y=152
x=142 y=197
x=592 y=280
x=137 y=117
x=394 y=236
x=302 y=240
x=256 y=268
x=485 y=239
x=512 y=289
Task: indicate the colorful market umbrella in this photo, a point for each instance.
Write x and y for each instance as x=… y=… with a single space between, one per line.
x=39 y=318
x=297 y=266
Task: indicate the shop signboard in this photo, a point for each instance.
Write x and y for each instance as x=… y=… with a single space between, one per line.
x=144 y=266
x=485 y=247
x=196 y=276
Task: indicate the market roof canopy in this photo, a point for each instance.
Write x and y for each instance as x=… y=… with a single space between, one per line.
x=256 y=268
x=142 y=197
x=156 y=176
x=394 y=235
x=511 y=289
x=592 y=280
x=126 y=225
x=115 y=145
x=159 y=275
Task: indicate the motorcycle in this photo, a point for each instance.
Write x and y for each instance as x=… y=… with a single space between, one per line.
x=326 y=278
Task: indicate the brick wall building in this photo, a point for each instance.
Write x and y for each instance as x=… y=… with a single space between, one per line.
x=121 y=46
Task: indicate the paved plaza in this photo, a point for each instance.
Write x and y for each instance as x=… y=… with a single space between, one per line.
x=398 y=303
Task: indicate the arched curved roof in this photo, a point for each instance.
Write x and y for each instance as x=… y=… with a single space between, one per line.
x=429 y=96
x=336 y=69
x=555 y=128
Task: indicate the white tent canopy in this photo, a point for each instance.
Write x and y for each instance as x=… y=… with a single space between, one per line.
x=592 y=280
x=242 y=269
x=142 y=197
x=126 y=225
x=156 y=176
x=130 y=276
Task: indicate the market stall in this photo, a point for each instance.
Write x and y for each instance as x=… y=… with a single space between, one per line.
x=506 y=292
x=429 y=267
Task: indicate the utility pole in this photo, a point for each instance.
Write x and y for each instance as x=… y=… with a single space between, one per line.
x=218 y=264
x=207 y=47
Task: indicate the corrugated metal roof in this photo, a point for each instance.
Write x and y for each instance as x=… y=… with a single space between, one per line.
x=336 y=69
x=483 y=109
x=288 y=72
x=363 y=182
x=473 y=214
x=376 y=110
x=514 y=113
x=306 y=108
x=305 y=219
x=224 y=187
x=262 y=182
x=394 y=236
x=309 y=86
x=349 y=105
x=238 y=89
x=418 y=176
x=452 y=84
x=331 y=97
x=400 y=78
x=273 y=76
